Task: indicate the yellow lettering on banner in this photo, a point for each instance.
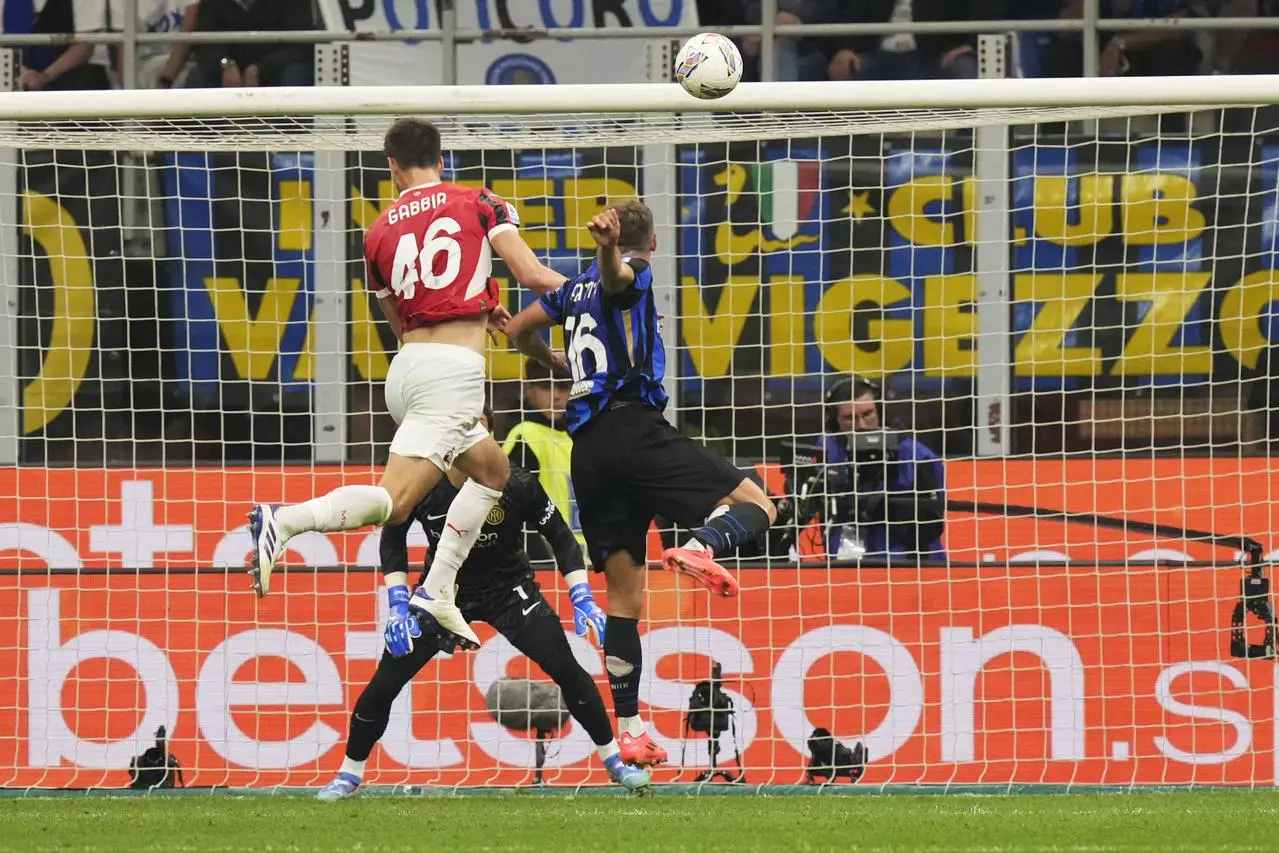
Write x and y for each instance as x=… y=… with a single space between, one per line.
x=1240 y=311
x=504 y=361
x=1041 y=352
x=367 y=352
x=947 y=328
x=585 y=198
x=906 y=211
x=1094 y=217
x=786 y=325
x=253 y=342
x=304 y=367
x=295 y=220
x=711 y=338
x=1171 y=296
x=891 y=342
x=968 y=189
x=364 y=212
x=1157 y=209
x=532 y=198
x=69 y=348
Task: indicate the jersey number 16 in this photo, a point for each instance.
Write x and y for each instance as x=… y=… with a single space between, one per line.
x=579 y=332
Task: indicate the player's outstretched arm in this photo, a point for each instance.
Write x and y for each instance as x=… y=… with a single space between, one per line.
x=523 y=264
x=525 y=332
x=540 y=511
x=606 y=229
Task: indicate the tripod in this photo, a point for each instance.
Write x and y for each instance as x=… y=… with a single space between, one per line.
x=710 y=712
x=713 y=772
x=539 y=755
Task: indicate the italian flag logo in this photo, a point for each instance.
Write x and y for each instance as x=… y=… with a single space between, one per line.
x=788 y=192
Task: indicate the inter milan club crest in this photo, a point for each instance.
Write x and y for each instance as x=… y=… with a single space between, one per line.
x=496 y=516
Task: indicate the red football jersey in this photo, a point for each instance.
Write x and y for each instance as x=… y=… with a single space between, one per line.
x=430 y=249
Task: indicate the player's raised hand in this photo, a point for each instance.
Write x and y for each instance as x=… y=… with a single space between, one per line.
x=605 y=228
x=498 y=318
x=588 y=617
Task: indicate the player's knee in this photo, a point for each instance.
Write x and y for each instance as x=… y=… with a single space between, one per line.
x=400 y=512
x=487 y=465
x=770 y=509
x=748 y=491
x=574 y=682
x=375 y=702
x=624 y=578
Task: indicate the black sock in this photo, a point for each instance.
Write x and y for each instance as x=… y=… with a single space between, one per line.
x=724 y=534
x=622 y=658
x=587 y=706
x=364 y=733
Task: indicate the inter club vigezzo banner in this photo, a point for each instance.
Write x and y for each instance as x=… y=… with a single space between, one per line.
x=505 y=61
x=1127 y=271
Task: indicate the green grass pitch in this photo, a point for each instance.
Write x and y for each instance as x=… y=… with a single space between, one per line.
x=1208 y=820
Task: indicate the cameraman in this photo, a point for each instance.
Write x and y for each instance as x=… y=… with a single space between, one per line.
x=885 y=488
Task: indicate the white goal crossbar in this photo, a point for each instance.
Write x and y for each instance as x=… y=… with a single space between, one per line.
x=336 y=118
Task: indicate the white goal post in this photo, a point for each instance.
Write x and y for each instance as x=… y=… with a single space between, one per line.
x=1080 y=323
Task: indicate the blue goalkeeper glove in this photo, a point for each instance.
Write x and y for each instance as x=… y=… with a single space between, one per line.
x=587 y=615
x=401 y=625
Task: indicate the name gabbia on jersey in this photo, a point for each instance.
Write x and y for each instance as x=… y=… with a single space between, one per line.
x=431 y=250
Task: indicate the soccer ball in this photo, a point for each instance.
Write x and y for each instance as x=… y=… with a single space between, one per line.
x=708 y=66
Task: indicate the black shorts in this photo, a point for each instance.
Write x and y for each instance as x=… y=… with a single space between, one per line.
x=508 y=607
x=629 y=465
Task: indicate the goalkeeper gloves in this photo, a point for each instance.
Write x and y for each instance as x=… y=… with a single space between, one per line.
x=587 y=615
x=401 y=625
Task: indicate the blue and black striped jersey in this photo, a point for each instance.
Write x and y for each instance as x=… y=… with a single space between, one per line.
x=613 y=342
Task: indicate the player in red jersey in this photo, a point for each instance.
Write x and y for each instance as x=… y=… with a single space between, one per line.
x=429 y=256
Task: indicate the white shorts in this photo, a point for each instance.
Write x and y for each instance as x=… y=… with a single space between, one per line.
x=435 y=392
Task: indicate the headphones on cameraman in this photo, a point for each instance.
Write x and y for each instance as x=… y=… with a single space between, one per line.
x=847 y=389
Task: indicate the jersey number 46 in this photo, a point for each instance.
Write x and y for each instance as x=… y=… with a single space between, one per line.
x=413 y=264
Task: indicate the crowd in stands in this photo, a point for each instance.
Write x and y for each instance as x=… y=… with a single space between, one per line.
x=936 y=55
x=81 y=65
x=893 y=56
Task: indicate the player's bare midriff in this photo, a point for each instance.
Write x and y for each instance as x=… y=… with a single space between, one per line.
x=469 y=332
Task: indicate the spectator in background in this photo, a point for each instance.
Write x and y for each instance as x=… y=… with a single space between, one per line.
x=1142 y=53
x=76 y=66
x=540 y=443
x=161 y=65
x=902 y=56
x=888 y=502
x=796 y=58
x=253 y=64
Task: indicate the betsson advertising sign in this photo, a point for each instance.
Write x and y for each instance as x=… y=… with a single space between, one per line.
x=1054 y=676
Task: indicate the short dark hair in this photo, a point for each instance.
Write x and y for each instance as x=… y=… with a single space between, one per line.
x=636 y=222
x=413 y=143
x=536 y=373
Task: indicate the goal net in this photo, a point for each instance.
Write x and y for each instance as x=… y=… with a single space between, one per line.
x=1059 y=298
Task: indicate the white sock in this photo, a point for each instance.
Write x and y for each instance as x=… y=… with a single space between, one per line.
x=633 y=726
x=608 y=750
x=695 y=544
x=355 y=768
x=461 y=528
x=344 y=508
